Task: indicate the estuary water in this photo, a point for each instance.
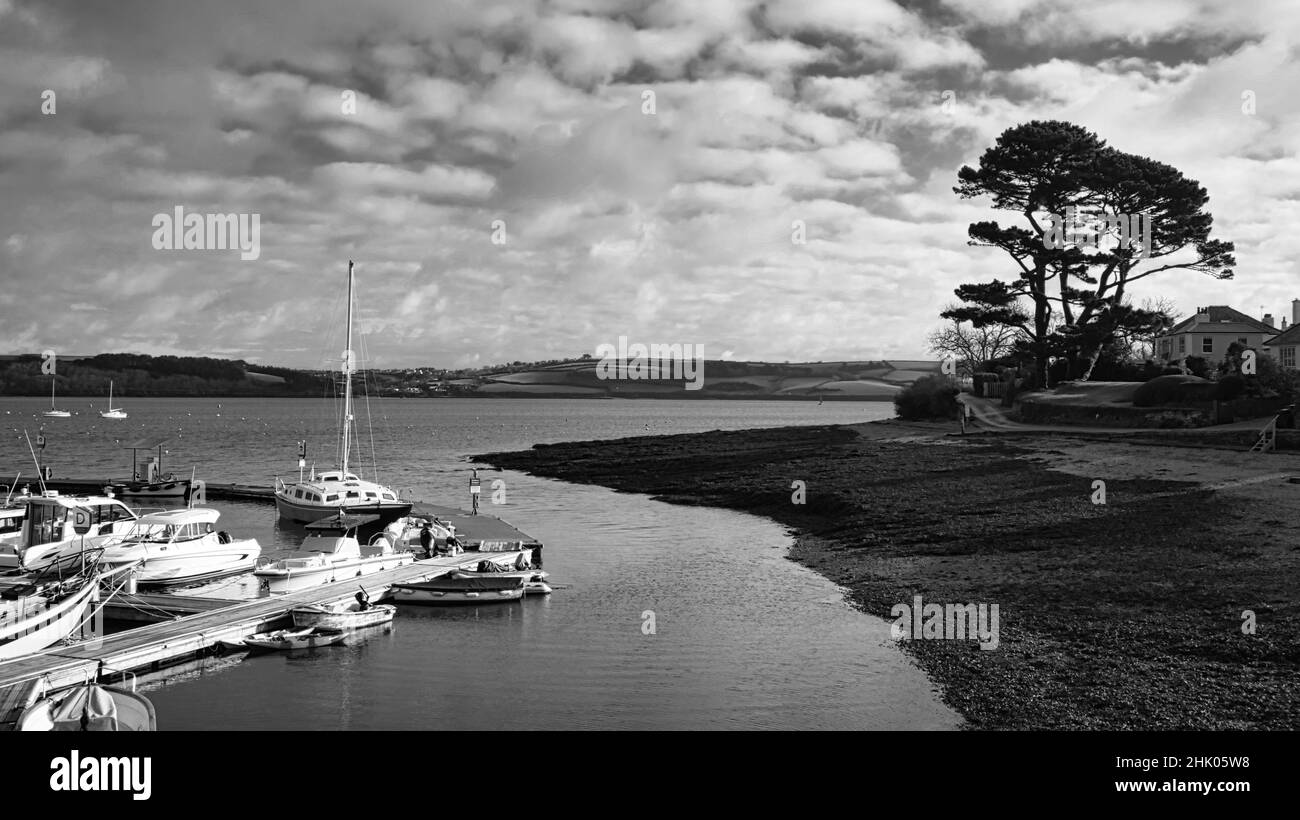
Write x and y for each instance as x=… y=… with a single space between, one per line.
x=663 y=617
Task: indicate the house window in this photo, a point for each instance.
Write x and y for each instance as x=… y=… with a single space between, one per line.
x=1288 y=357
x=1182 y=345
x=1207 y=344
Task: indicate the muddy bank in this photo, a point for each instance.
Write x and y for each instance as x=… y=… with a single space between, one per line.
x=1123 y=615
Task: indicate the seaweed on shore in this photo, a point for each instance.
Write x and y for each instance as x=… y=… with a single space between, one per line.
x=1123 y=615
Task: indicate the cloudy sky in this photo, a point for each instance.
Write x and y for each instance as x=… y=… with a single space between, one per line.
x=670 y=226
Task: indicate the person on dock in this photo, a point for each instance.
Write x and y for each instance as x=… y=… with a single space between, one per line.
x=450 y=547
x=426 y=540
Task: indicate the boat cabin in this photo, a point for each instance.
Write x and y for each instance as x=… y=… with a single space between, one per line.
x=11 y=522
x=339 y=476
x=50 y=518
x=173 y=526
x=337 y=488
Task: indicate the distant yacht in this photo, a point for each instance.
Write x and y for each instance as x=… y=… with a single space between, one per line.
x=54 y=412
x=112 y=412
x=339 y=491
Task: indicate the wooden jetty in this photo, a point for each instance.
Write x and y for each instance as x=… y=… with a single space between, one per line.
x=154 y=607
x=95 y=486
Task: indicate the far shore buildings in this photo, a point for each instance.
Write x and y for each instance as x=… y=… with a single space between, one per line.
x=1284 y=346
x=1210 y=332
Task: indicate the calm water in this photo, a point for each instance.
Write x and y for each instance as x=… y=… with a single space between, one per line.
x=743 y=637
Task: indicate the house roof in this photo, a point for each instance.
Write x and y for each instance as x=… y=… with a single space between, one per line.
x=1290 y=336
x=1223 y=319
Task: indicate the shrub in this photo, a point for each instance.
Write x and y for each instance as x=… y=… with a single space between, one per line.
x=1229 y=387
x=1149 y=371
x=1172 y=389
x=930 y=397
x=1198 y=366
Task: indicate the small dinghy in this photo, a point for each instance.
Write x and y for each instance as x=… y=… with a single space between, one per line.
x=343 y=615
x=90 y=707
x=462 y=590
x=537 y=588
x=285 y=639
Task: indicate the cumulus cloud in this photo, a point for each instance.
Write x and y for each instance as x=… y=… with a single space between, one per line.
x=848 y=117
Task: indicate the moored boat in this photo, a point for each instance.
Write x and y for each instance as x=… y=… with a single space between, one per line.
x=461 y=590
x=343 y=615
x=179 y=547
x=54 y=412
x=404 y=533
x=339 y=491
x=40 y=609
x=49 y=530
x=153 y=483
x=112 y=412
x=332 y=557
x=535 y=579
x=90 y=707
x=286 y=639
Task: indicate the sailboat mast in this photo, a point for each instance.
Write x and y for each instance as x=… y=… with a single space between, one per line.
x=347 y=381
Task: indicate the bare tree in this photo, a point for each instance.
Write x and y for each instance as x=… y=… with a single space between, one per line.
x=1139 y=343
x=972 y=347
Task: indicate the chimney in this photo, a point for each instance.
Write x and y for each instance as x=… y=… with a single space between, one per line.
x=1203 y=314
x=1268 y=320
x=1295 y=312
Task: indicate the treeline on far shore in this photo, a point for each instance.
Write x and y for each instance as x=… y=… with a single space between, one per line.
x=140 y=375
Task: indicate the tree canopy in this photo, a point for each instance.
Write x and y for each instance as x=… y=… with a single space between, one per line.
x=1128 y=217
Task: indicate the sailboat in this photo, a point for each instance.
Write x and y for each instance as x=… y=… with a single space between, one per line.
x=112 y=412
x=338 y=492
x=54 y=412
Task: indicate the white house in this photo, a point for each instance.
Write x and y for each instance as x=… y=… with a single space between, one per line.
x=1210 y=332
x=1285 y=346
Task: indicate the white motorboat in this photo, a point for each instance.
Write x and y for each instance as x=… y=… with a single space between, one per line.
x=112 y=412
x=40 y=609
x=180 y=547
x=404 y=533
x=332 y=557
x=54 y=412
x=450 y=589
x=48 y=528
x=339 y=491
x=90 y=707
x=343 y=615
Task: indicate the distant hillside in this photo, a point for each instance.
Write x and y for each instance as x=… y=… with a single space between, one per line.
x=137 y=375
x=860 y=381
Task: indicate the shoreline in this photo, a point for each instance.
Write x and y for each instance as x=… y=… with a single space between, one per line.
x=1123 y=615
